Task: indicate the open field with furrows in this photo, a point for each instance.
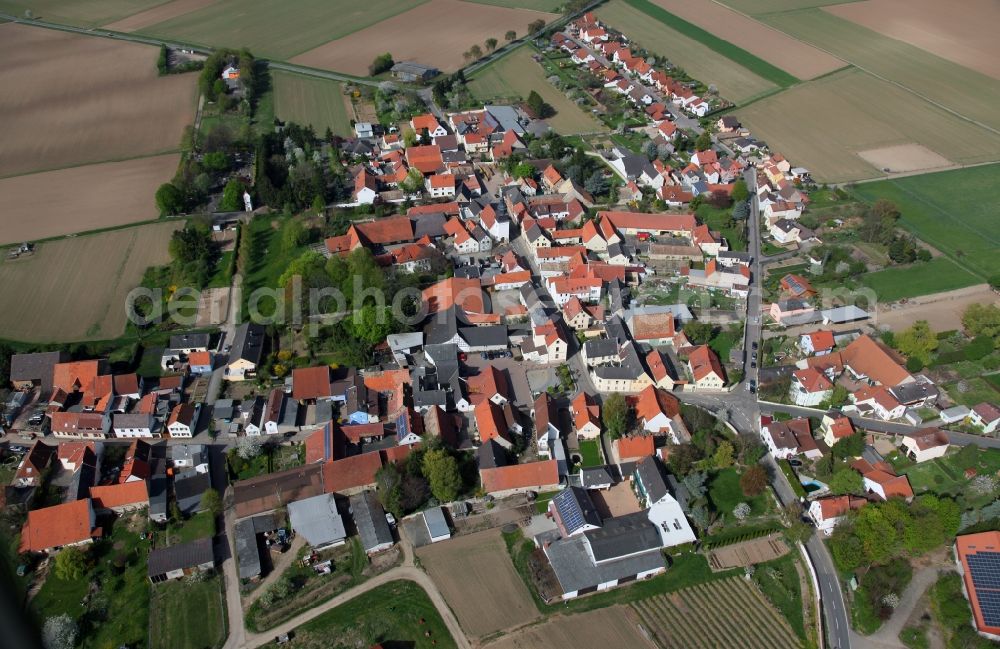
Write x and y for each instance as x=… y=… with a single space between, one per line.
x=476 y=577
x=435 y=33
x=966 y=37
x=537 y=5
x=757 y=7
x=157 y=14
x=607 y=627
x=793 y=56
x=277 y=30
x=187 y=615
x=75 y=12
x=69 y=100
x=74 y=288
x=967 y=92
x=824 y=124
x=725 y=613
x=78 y=199
x=317 y=102
x=734 y=82
x=514 y=77
x=954 y=211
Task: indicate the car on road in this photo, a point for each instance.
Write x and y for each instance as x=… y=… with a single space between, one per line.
x=754 y=346
x=794 y=462
x=752 y=386
x=753 y=364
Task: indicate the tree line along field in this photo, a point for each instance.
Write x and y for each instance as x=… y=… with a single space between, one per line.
x=100 y=100
x=319 y=103
x=515 y=75
x=74 y=288
x=538 y=5
x=434 y=33
x=735 y=82
x=760 y=7
x=824 y=124
x=776 y=48
x=954 y=211
x=278 y=30
x=967 y=92
x=724 y=613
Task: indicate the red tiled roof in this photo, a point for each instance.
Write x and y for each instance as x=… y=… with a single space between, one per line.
x=75 y=376
x=466 y=293
x=703 y=361
x=841 y=427
x=425 y=121
x=490 y=421
x=120 y=495
x=650 y=222
x=867 y=357
x=632 y=447
x=520 y=476
x=837 y=506
x=812 y=380
x=357 y=432
x=425 y=158
x=351 y=472
x=56 y=526
x=653 y=326
x=930 y=438
x=488 y=382
x=129 y=383
x=182 y=413
x=392 y=229
x=311 y=382
x=653 y=401
x=821 y=340
x=586 y=411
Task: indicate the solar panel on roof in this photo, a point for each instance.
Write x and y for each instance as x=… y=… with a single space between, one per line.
x=984 y=568
x=402 y=426
x=569 y=510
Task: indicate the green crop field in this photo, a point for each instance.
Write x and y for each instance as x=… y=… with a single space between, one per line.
x=277 y=30
x=187 y=615
x=732 y=52
x=935 y=276
x=74 y=12
x=824 y=124
x=734 y=82
x=537 y=5
x=967 y=92
x=317 y=102
x=954 y=211
x=515 y=76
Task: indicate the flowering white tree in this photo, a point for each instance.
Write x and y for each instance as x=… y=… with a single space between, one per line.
x=248 y=447
x=59 y=632
x=891 y=600
x=741 y=511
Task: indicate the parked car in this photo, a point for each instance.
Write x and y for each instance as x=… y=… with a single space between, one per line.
x=754 y=345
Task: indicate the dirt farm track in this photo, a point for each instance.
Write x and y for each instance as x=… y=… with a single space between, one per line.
x=74 y=288
x=101 y=100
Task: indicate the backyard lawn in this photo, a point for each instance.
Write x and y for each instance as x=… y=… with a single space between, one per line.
x=187 y=615
x=590 y=453
x=725 y=493
x=398 y=613
x=199 y=526
x=946 y=475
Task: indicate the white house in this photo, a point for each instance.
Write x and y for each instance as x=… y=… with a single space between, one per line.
x=181 y=422
x=131 y=426
x=586 y=416
x=441 y=185
x=986 y=417
x=827 y=512
x=817 y=343
x=809 y=387
x=546 y=419
x=785 y=439
x=926 y=444
x=877 y=401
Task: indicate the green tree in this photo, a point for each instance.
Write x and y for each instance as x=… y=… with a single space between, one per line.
x=70 y=563
x=753 y=481
x=388 y=488
x=211 y=502
x=414 y=181
x=382 y=63
x=682 y=458
x=537 y=105
x=699 y=333
x=703 y=142
x=615 y=415
x=982 y=320
x=409 y=137
x=476 y=52
x=232 y=196
x=851 y=446
x=797 y=531
x=523 y=170
x=510 y=35
x=170 y=200
x=536 y=26
x=917 y=342
x=740 y=192
x=723 y=457
x=491 y=44
x=319 y=205
x=846 y=481
x=441 y=471
x=839 y=396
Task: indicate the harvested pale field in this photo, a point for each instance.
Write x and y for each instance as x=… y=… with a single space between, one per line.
x=942 y=311
x=756 y=7
x=69 y=100
x=514 y=77
x=278 y=30
x=77 y=199
x=435 y=33
x=734 y=82
x=75 y=288
x=971 y=94
x=157 y=14
x=77 y=12
x=824 y=124
x=793 y=56
x=213 y=307
x=537 y=5
x=478 y=580
x=966 y=37
x=317 y=102
x=903 y=158
x=617 y=626
x=748 y=553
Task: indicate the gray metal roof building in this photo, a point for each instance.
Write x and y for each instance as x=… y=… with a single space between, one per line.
x=369 y=517
x=437 y=524
x=318 y=521
x=183 y=556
